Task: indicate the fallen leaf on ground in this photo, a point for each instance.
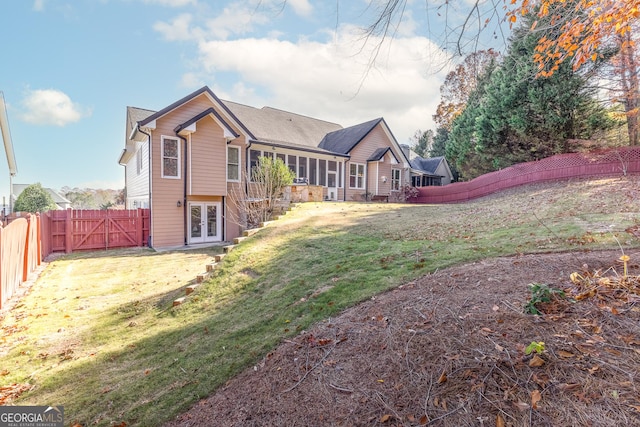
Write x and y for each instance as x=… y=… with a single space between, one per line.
x=535 y=398
x=522 y=406
x=568 y=387
x=536 y=361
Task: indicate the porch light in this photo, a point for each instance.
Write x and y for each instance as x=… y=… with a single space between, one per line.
x=179 y=204
x=384 y=178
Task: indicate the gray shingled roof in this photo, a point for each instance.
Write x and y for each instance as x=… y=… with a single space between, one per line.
x=343 y=140
x=135 y=115
x=426 y=165
x=277 y=127
x=272 y=125
x=379 y=154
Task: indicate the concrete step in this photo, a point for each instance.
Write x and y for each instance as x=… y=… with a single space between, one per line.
x=251 y=232
x=202 y=277
x=179 y=301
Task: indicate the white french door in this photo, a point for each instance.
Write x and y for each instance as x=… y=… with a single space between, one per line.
x=204 y=222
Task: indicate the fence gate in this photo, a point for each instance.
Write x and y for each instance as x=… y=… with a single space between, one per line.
x=74 y=230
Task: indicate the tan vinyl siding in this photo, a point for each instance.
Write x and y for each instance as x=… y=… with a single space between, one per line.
x=207 y=170
x=168 y=219
x=377 y=138
x=377 y=171
x=208 y=154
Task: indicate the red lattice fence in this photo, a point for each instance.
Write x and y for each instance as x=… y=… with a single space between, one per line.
x=616 y=162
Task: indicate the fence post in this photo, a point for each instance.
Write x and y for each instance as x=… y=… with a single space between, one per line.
x=107 y=220
x=68 y=236
x=25 y=256
x=39 y=238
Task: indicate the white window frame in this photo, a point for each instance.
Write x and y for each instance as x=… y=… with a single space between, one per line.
x=177 y=141
x=237 y=167
x=359 y=166
x=396 y=181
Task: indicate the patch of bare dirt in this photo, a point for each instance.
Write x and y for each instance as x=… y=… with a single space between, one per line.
x=450 y=349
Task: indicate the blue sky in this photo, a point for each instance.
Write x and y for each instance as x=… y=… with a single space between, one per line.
x=70 y=69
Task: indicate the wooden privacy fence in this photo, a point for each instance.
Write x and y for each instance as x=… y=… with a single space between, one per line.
x=615 y=162
x=20 y=253
x=74 y=230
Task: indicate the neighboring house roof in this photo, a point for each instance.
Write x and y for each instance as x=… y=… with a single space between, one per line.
x=135 y=115
x=427 y=165
x=344 y=140
x=61 y=201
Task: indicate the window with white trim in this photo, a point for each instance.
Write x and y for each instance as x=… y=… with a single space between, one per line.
x=356 y=175
x=170 y=158
x=395 y=179
x=233 y=163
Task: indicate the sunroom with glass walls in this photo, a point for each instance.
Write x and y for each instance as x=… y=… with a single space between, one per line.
x=308 y=167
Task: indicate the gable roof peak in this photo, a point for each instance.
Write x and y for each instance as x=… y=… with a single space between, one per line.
x=344 y=140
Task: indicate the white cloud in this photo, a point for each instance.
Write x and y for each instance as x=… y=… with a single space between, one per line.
x=51 y=107
x=178 y=29
x=333 y=80
x=38 y=5
x=235 y=18
x=330 y=74
x=301 y=7
x=172 y=3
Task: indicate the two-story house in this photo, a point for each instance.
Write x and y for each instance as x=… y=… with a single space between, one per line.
x=183 y=160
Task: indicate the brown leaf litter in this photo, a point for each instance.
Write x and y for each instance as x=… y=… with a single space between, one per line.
x=448 y=349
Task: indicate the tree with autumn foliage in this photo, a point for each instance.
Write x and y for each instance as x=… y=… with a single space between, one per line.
x=514 y=117
x=588 y=30
x=459 y=84
x=585 y=26
x=584 y=33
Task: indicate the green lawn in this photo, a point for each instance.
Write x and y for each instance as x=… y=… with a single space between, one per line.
x=97 y=332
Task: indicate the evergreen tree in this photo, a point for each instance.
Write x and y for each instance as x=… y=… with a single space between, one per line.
x=515 y=117
x=34 y=199
x=422 y=142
